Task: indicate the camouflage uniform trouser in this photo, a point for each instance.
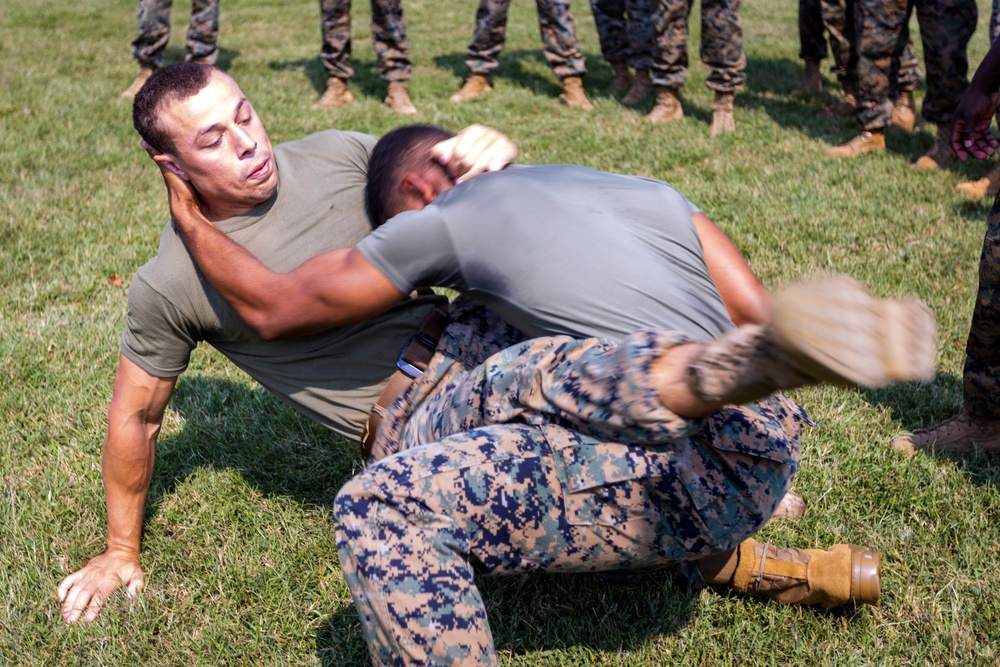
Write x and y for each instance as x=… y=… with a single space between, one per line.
x=721 y=44
x=945 y=28
x=575 y=466
x=812 y=45
x=625 y=31
x=982 y=351
x=388 y=37
x=154 y=31
x=559 y=44
x=840 y=20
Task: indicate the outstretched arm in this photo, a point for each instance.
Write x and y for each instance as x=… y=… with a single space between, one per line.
x=332 y=289
x=747 y=300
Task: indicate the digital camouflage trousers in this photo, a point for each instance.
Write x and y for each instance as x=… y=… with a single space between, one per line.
x=721 y=44
x=559 y=44
x=883 y=30
x=625 y=31
x=154 y=31
x=388 y=36
x=982 y=351
x=552 y=455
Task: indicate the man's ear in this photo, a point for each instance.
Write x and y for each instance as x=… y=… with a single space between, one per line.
x=415 y=186
x=166 y=163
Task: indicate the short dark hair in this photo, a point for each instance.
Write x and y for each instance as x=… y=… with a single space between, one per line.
x=166 y=86
x=404 y=149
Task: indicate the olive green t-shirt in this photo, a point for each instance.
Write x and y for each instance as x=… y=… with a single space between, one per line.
x=333 y=377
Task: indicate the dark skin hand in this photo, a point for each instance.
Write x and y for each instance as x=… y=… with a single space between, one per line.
x=970 y=132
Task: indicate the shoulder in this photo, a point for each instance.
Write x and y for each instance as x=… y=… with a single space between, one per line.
x=338 y=146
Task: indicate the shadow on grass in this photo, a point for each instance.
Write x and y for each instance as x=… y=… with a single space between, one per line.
x=176 y=54
x=365 y=82
x=542 y=612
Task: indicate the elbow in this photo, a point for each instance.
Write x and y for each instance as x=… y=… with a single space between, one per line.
x=268 y=329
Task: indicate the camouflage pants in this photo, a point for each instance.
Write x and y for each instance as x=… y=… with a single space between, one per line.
x=574 y=466
x=154 y=31
x=840 y=21
x=721 y=44
x=388 y=36
x=982 y=351
x=625 y=31
x=812 y=45
x=558 y=29
x=945 y=28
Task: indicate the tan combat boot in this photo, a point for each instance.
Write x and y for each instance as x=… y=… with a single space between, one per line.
x=667 y=108
x=722 y=114
x=622 y=79
x=962 y=433
x=842 y=574
x=639 y=91
x=866 y=142
x=140 y=80
x=940 y=153
x=845 y=106
x=904 y=112
x=987 y=185
x=573 y=95
x=335 y=95
x=825 y=330
x=812 y=81
x=399 y=100
x=475 y=86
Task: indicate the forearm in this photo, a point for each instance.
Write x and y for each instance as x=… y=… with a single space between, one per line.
x=127 y=468
x=986 y=80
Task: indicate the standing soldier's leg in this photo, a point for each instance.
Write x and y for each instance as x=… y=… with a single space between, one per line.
x=812 y=47
x=562 y=51
x=640 y=40
x=904 y=110
x=670 y=58
x=393 y=51
x=838 y=19
x=945 y=29
x=148 y=46
x=722 y=52
x=203 y=32
x=609 y=18
x=335 y=23
x=880 y=26
x=487 y=43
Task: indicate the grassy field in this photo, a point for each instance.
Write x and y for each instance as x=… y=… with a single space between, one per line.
x=238 y=547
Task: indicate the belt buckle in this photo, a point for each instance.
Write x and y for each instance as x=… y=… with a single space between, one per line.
x=408 y=369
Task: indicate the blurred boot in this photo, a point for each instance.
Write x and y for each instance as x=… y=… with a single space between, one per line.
x=399 y=100
x=667 y=108
x=940 y=153
x=335 y=95
x=866 y=142
x=987 y=185
x=475 y=86
x=140 y=80
x=812 y=82
x=792 y=506
x=622 y=79
x=841 y=574
x=573 y=95
x=639 y=91
x=962 y=433
x=845 y=106
x=904 y=113
x=722 y=114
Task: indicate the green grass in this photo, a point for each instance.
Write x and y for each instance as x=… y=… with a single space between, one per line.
x=240 y=553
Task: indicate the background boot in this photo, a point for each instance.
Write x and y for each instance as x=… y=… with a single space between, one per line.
x=622 y=79
x=987 y=185
x=573 y=95
x=667 y=108
x=812 y=81
x=940 y=154
x=826 y=330
x=904 y=112
x=842 y=574
x=845 y=106
x=792 y=506
x=722 y=114
x=335 y=95
x=639 y=91
x=866 y=142
x=140 y=80
x=475 y=86
x=961 y=433
x=399 y=100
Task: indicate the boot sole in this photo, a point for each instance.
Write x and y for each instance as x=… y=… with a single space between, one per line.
x=836 y=331
x=866 y=573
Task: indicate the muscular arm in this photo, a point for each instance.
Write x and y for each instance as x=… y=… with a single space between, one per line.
x=134 y=420
x=332 y=289
x=747 y=300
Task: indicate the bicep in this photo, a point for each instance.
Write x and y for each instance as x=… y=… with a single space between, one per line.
x=746 y=299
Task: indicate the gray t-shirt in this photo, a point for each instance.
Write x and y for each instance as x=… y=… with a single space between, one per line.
x=560 y=249
x=333 y=377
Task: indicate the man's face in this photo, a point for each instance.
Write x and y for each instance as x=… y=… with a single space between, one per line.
x=221 y=148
